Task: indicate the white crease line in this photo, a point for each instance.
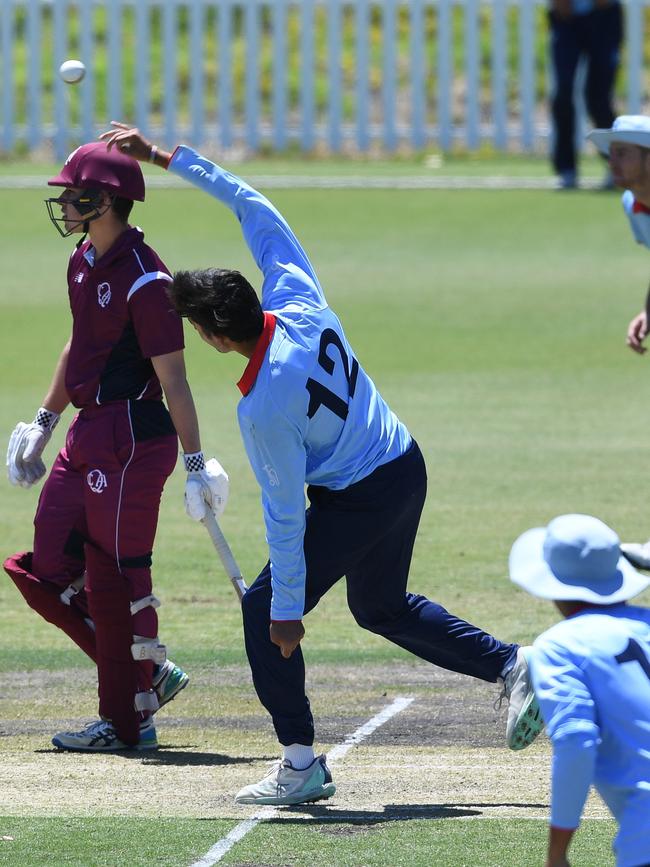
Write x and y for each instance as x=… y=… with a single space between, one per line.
x=221 y=847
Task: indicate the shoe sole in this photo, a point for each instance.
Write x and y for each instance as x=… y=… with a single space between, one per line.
x=528 y=726
x=138 y=748
x=178 y=688
x=321 y=795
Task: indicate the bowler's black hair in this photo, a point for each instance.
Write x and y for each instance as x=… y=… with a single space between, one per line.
x=222 y=302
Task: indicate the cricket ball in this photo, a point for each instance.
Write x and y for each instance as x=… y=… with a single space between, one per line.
x=72 y=71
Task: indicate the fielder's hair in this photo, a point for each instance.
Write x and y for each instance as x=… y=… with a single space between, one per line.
x=222 y=302
x=122 y=208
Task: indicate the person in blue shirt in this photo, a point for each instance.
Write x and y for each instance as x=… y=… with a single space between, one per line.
x=591 y=674
x=627 y=147
x=310 y=415
x=589 y=31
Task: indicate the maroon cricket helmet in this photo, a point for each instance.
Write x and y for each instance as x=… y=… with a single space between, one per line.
x=92 y=166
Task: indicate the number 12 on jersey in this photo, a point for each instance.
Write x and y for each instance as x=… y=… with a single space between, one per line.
x=319 y=395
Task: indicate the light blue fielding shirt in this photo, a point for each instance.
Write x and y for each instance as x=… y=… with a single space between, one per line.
x=313 y=416
x=591 y=674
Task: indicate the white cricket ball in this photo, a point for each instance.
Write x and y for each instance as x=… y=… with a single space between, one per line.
x=72 y=71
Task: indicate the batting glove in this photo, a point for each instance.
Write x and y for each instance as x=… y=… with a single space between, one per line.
x=206 y=485
x=26 y=444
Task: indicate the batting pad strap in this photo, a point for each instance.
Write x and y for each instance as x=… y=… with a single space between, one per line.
x=148 y=648
x=72 y=589
x=146 y=601
x=146 y=701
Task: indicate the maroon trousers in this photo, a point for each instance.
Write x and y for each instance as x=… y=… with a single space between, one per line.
x=97 y=515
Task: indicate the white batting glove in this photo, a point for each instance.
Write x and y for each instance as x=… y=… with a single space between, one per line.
x=26 y=444
x=206 y=486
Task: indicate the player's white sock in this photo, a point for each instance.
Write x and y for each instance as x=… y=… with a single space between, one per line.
x=299 y=755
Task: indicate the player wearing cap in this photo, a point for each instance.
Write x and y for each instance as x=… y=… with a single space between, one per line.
x=591 y=674
x=310 y=415
x=90 y=570
x=627 y=146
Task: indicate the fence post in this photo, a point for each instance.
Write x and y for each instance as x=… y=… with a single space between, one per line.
x=34 y=68
x=362 y=25
x=307 y=61
x=252 y=50
x=635 y=37
x=527 y=72
x=61 y=98
x=445 y=121
x=114 y=67
x=170 y=70
x=7 y=83
x=334 y=75
x=472 y=80
x=197 y=77
x=499 y=74
x=389 y=104
x=418 y=75
x=224 y=109
x=279 y=96
x=142 y=67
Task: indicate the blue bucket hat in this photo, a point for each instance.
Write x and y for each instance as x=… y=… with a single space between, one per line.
x=574 y=557
x=628 y=128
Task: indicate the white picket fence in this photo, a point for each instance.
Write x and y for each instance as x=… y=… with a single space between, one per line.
x=269 y=73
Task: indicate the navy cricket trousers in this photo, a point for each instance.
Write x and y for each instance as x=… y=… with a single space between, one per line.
x=365 y=533
x=597 y=37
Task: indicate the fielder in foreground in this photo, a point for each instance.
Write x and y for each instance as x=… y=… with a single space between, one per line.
x=591 y=673
x=309 y=414
x=90 y=571
x=627 y=146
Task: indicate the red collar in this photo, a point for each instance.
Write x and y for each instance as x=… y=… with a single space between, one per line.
x=640 y=208
x=253 y=367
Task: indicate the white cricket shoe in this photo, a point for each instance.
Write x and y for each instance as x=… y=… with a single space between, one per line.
x=101 y=737
x=524 y=716
x=285 y=785
x=638 y=554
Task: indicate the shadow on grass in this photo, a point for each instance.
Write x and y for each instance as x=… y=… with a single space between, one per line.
x=391 y=813
x=165 y=757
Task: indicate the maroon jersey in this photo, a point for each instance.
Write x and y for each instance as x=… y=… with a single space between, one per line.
x=122 y=318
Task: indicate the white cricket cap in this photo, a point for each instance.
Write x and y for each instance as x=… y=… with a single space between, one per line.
x=628 y=128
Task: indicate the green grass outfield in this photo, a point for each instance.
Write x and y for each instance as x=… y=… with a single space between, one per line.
x=494 y=324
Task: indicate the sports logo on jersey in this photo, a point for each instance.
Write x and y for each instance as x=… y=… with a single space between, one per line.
x=103 y=294
x=79 y=278
x=274 y=481
x=96 y=481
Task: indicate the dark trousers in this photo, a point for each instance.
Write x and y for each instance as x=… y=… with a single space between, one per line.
x=596 y=37
x=365 y=533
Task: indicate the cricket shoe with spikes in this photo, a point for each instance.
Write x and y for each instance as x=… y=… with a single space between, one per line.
x=285 y=785
x=101 y=737
x=168 y=680
x=524 y=715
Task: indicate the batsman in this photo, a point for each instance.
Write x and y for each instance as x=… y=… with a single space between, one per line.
x=310 y=415
x=90 y=569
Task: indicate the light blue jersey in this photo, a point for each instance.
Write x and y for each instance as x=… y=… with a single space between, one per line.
x=312 y=415
x=591 y=673
x=639 y=219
